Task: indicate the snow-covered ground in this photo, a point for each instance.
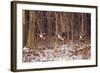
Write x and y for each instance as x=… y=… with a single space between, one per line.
x=63 y=52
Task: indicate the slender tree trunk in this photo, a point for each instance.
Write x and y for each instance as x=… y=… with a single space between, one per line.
x=82 y=27
x=56 y=16
x=66 y=19
x=31 y=37
x=24 y=27
x=25 y=22
x=72 y=29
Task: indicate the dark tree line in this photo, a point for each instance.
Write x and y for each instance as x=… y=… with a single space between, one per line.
x=48 y=27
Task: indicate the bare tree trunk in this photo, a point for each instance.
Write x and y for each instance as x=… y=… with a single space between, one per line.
x=82 y=27
x=66 y=19
x=62 y=22
x=25 y=22
x=72 y=29
x=68 y=26
x=30 y=40
x=56 y=16
x=24 y=27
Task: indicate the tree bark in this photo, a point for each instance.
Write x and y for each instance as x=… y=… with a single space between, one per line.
x=31 y=37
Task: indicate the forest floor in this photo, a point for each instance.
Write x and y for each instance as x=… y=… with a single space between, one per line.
x=63 y=52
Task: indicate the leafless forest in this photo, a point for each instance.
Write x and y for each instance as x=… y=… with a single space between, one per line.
x=54 y=36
